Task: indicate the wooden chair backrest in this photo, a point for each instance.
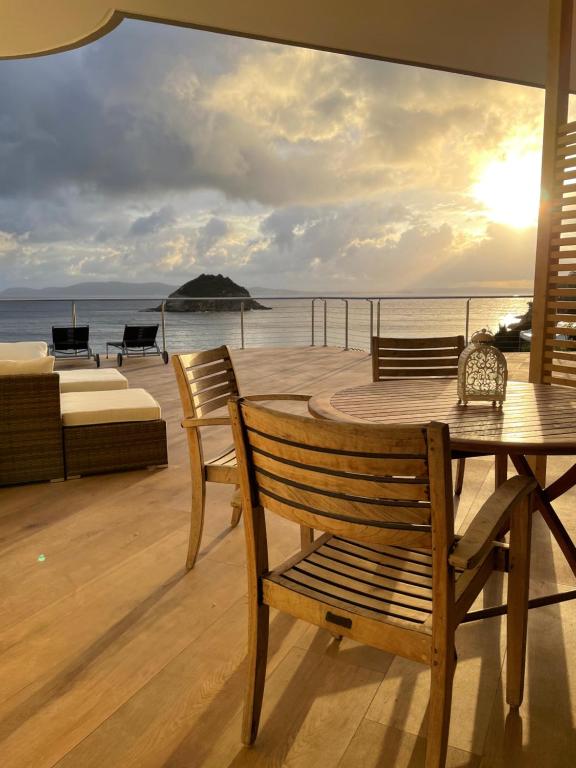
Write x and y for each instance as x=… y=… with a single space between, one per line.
x=372 y=483
x=206 y=381
x=415 y=358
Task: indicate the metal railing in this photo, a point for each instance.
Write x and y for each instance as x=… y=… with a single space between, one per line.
x=347 y=322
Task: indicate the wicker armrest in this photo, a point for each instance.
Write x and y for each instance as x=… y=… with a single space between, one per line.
x=30 y=428
x=474 y=545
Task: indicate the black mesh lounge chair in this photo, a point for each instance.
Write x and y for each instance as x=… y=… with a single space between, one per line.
x=138 y=340
x=72 y=342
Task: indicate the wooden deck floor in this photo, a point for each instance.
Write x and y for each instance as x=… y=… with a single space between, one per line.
x=112 y=657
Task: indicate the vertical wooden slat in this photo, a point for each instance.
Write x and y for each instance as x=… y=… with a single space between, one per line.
x=555 y=116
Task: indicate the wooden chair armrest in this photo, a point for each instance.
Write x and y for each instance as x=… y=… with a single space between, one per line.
x=190 y=423
x=277 y=397
x=477 y=540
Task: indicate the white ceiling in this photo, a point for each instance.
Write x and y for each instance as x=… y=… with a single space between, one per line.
x=502 y=39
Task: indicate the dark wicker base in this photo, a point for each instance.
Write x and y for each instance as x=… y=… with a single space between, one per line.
x=98 y=448
x=30 y=429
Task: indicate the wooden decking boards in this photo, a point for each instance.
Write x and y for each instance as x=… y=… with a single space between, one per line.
x=111 y=656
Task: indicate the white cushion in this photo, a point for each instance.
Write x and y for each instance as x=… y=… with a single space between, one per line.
x=23 y=350
x=16 y=367
x=86 y=380
x=109 y=407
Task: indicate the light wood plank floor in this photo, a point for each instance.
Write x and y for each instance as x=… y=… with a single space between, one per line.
x=112 y=657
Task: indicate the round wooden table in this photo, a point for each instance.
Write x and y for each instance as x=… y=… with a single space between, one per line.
x=534 y=420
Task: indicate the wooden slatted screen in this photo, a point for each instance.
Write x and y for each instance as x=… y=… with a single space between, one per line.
x=559 y=363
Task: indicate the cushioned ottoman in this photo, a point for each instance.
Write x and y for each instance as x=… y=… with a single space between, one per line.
x=85 y=380
x=111 y=431
x=23 y=350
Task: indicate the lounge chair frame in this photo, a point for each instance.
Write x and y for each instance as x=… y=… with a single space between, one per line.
x=71 y=342
x=138 y=341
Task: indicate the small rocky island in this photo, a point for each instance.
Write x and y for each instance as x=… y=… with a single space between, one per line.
x=202 y=292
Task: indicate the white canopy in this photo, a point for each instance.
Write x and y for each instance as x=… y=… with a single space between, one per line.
x=501 y=39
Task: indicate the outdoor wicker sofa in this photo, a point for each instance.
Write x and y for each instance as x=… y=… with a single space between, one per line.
x=79 y=422
x=46 y=435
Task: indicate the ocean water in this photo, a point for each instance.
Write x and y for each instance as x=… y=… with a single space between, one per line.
x=288 y=323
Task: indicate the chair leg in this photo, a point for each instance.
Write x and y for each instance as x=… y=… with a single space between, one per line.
x=442 y=676
x=518 y=589
x=197 y=509
x=257 y=658
x=306 y=537
x=460 y=467
x=236 y=507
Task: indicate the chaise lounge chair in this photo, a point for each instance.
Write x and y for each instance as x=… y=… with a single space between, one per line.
x=138 y=340
x=72 y=342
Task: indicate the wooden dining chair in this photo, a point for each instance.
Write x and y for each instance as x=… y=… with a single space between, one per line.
x=388 y=570
x=206 y=380
x=419 y=358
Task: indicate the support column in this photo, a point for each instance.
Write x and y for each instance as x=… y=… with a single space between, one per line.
x=555 y=116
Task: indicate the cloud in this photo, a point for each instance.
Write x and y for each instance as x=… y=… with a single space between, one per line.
x=153 y=222
x=172 y=151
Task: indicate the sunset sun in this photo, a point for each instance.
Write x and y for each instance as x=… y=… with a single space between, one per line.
x=509 y=189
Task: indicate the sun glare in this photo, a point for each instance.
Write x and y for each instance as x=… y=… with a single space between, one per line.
x=509 y=189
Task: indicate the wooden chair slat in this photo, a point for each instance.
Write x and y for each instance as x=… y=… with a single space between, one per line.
x=225 y=457
x=425 y=363
x=418 y=373
x=420 y=343
x=350 y=508
x=207 y=382
x=213 y=405
x=199 y=372
x=378 y=570
x=299 y=577
x=365 y=439
x=214 y=393
x=409 y=563
x=421 y=596
x=369 y=486
x=371 y=534
x=394 y=353
x=402 y=466
x=204 y=357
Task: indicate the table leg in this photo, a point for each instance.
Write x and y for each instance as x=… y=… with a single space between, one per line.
x=500 y=469
x=548 y=513
x=542 y=497
x=563 y=484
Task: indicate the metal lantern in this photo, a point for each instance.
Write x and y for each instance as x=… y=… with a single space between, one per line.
x=482 y=371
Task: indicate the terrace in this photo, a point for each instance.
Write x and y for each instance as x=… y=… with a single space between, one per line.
x=113 y=655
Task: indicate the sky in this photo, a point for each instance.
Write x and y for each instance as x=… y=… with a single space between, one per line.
x=158 y=153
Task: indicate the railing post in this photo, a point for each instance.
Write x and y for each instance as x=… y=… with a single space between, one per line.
x=242 y=325
x=371 y=302
x=163 y=321
x=325 y=322
x=378 y=318
x=345 y=324
x=74 y=314
x=467 y=330
x=312 y=342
